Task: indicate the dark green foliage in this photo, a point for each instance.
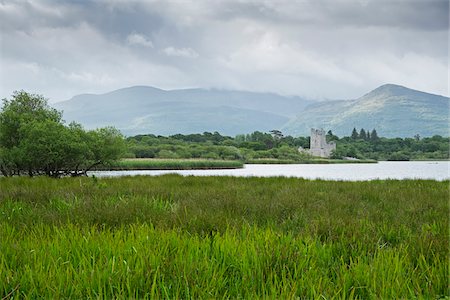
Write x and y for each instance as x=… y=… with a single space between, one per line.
x=223 y=237
x=172 y=164
x=35 y=141
x=22 y=109
x=374 y=147
x=362 y=134
x=355 y=134
x=331 y=137
x=214 y=146
x=258 y=145
x=374 y=135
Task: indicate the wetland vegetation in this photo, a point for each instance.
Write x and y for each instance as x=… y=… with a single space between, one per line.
x=223 y=237
x=35 y=141
x=274 y=147
x=171 y=164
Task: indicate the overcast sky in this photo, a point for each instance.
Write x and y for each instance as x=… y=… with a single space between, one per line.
x=317 y=49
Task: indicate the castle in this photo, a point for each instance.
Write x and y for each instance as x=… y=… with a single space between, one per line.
x=318 y=145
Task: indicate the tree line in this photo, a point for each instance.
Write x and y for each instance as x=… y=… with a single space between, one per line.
x=35 y=141
x=275 y=145
x=368 y=145
x=365 y=135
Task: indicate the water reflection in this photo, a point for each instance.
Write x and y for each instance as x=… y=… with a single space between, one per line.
x=437 y=170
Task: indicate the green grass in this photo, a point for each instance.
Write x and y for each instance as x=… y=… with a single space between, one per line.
x=223 y=237
x=172 y=164
x=270 y=161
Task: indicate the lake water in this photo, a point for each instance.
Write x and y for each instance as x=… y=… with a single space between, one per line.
x=437 y=170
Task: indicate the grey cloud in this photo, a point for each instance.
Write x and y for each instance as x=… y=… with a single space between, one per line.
x=180 y=52
x=317 y=48
x=412 y=14
x=415 y=14
x=139 y=39
x=114 y=21
x=121 y=17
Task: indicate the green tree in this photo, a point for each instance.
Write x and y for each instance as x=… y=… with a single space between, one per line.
x=23 y=109
x=362 y=134
x=35 y=141
x=277 y=135
x=106 y=145
x=16 y=114
x=50 y=148
x=374 y=135
x=355 y=134
x=331 y=137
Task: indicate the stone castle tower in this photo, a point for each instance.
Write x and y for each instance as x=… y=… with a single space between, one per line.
x=319 y=146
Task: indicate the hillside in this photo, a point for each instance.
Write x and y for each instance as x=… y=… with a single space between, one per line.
x=142 y=109
x=395 y=111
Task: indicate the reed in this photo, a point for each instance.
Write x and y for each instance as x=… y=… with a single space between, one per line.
x=269 y=161
x=172 y=164
x=223 y=237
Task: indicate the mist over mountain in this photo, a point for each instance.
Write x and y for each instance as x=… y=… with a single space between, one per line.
x=143 y=109
x=393 y=110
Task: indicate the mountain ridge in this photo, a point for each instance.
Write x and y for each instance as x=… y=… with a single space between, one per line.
x=393 y=110
x=138 y=105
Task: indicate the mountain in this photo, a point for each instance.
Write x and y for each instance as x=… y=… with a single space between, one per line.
x=143 y=109
x=393 y=110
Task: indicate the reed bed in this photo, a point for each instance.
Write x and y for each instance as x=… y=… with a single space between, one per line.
x=172 y=164
x=268 y=161
x=223 y=237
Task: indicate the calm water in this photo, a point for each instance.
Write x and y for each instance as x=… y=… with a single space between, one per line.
x=350 y=172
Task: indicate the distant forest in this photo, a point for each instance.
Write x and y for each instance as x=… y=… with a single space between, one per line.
x=359 y=144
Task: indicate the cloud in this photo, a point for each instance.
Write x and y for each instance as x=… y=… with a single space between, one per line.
x=180 y=52
x=76 y=60
x=407 y=14
x=321 y=48
x=139 y=39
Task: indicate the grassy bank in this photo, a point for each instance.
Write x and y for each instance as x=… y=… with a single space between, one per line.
x=309 y=161
x=223 y=237
x=172 y=164
x=205 y=164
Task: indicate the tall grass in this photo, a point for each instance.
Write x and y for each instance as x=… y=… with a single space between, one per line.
x=172 y=164
x=223 y=237
x=271 y=161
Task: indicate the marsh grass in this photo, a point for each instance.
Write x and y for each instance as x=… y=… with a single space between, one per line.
x=269 y=161
x=223 y=237
x=172 y=164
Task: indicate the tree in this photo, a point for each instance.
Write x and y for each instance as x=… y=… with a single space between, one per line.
x=338 y=154
x=35 y=141
x=277 y=135
x=22 y=109
x=331 y=137
x=106 y=145
x=362 y=134
x=16 y=114
x=374 y=135
x=354 y=135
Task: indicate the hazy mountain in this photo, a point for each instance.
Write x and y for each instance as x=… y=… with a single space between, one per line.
x=141 y=109
x=393 y=110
